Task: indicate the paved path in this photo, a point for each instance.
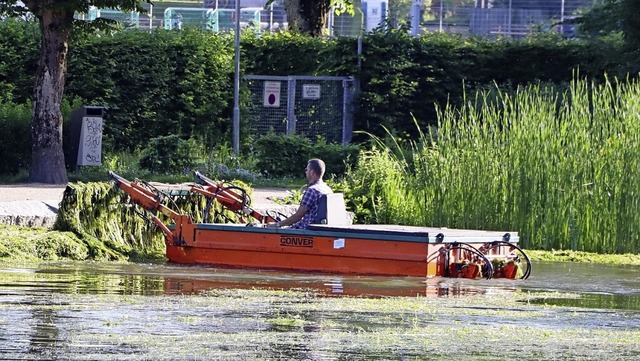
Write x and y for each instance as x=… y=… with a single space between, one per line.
x=35 y=204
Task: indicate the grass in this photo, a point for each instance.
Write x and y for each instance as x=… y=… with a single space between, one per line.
x=559 y=168
x=630 y=259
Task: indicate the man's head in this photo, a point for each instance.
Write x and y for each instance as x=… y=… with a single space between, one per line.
x=315 y=169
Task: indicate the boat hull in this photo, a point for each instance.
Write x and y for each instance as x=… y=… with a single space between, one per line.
x=353 y=249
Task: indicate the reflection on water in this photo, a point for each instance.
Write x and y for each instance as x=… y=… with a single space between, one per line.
x=162 y=279
x=597 y=285
x=611 y=285
x=111 y=311
x=601 y=301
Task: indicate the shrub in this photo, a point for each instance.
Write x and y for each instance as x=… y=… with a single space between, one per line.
x=15 y=137
x=171 y=155
x=282 y=155
x=287 y=155
x=337 y=157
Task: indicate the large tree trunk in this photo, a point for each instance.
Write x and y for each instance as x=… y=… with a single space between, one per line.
x=47 y=156
x=307 y=16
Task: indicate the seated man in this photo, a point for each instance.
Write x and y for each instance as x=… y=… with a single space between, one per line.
x=316 y=187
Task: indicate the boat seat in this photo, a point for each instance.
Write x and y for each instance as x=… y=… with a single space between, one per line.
x=331 y=210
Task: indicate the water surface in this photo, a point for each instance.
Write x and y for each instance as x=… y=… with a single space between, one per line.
x=112 y=311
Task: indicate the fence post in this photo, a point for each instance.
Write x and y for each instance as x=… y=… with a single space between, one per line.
x=291 y=105
x=347 y=110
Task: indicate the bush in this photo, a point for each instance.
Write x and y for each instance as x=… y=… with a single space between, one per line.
x=336 y=157
x=287 y=155
x=282 y=155
x=15 y=137
x=156 y=84
x=171 y=155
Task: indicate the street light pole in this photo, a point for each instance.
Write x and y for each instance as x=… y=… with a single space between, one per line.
x=236 y=85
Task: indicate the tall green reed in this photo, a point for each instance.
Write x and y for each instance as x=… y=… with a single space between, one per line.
x=560 y=167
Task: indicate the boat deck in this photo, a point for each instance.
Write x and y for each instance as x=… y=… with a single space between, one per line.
x=379 y=232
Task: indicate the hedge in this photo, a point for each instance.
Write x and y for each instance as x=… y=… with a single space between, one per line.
x=162 y=83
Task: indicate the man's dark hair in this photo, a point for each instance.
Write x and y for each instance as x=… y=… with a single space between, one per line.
x=317 y=165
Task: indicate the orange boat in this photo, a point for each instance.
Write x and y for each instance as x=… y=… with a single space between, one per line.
x=332 y=245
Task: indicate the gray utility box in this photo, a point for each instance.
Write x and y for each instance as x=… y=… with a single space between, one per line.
x=86 y=137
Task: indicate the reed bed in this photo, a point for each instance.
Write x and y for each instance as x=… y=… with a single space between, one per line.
x=558 y=167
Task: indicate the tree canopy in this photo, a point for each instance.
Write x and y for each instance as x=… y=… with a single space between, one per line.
x=56 y=21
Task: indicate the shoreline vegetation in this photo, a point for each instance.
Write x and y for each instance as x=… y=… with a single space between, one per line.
x=34 y=244
x=557 y=166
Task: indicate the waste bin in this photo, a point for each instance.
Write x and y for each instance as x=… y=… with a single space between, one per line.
x=86 y=137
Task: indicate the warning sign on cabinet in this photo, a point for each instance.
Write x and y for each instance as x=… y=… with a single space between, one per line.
x=271 y=94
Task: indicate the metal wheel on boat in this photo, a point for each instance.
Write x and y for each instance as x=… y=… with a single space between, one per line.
x=519 y=255
x=471 y=254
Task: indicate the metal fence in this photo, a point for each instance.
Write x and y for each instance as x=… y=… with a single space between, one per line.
x=490 y=18
x=306 y=105
x=510 y=18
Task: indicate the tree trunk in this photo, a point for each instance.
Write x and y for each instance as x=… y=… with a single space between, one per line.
x=47 y=156
x=292 y=7
x=307 y=16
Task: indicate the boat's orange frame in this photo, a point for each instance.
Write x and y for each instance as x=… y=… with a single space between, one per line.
x=348 y=252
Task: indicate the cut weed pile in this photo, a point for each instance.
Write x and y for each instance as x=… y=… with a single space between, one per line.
x=103 y=218
x=36 y=243
x=95 y=221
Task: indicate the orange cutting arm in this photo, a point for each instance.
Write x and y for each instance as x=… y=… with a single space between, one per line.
x=228 y=198
x=151 y=202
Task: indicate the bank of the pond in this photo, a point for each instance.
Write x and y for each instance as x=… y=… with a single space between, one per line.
x=38 y=243
x=31 y=205
x=21 y=239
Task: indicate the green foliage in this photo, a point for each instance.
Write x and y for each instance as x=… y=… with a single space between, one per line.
x=282 y=155
x=337 y=157
x=15 y=137
x=559 y=168
x=287 y=53
x=223 y=164
x=19 y=51
x=156 y=84
x=404 y=77
x=601 y=20
x=15 y=134
x=162 y=83
x=171 y=155
x=631 y=259
x=287 y=155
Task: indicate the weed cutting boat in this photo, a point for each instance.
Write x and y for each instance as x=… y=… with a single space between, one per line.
x=240 y=239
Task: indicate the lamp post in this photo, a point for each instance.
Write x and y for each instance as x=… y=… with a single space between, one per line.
x=510 y=19
x=236 y=85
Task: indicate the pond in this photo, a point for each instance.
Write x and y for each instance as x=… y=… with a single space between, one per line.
x=114 y=311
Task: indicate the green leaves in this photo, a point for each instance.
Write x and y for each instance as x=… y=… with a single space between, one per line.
x=558 y=167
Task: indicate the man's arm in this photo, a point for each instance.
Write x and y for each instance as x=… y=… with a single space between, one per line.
x=302 y=210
